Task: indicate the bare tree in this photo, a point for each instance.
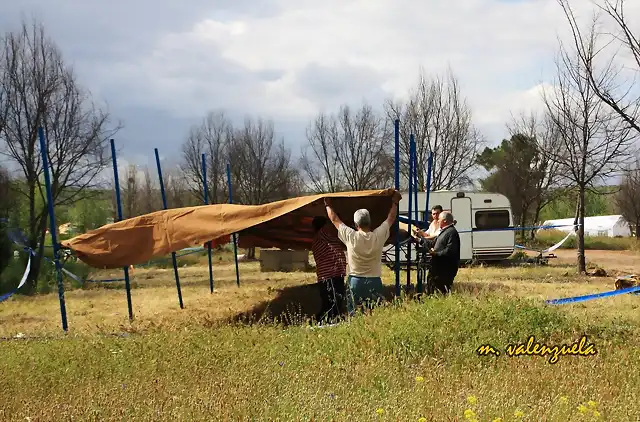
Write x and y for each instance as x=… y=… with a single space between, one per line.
x=595 y=141
x=130 y=192
x=211 y=137
x=149 y=200
x=616 y=87
x=628 y=197
x=350 y=151
x=4 y=104
x=261 y=170
x=178 y=193
x=440 y=119
x=40 y=90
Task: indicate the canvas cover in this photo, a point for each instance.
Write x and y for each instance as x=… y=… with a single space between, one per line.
x=283 y=224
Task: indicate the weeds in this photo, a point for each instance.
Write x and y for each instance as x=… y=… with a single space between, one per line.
x=406 y=360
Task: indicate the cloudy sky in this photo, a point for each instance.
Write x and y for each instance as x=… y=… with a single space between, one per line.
x=162 y=64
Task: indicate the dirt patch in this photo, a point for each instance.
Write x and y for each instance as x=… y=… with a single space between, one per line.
x=614 y=262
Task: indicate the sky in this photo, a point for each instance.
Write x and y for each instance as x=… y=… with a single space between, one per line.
x=162 y=65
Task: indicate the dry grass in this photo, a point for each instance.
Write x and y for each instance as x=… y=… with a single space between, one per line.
x=406 y=360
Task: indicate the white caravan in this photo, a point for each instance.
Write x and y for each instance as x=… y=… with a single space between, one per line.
x=472 y=211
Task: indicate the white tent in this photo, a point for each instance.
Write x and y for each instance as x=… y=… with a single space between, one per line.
x=602 y=225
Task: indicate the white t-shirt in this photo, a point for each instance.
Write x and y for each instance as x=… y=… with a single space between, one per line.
x=434 y=229
x=364 y=250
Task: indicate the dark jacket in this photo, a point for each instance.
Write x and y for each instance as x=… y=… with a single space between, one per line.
x=447 y=248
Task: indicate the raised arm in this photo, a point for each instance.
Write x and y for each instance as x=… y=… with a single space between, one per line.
x=335 y=220
x=393 y=212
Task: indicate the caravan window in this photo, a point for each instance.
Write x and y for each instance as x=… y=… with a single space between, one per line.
x=493 y=219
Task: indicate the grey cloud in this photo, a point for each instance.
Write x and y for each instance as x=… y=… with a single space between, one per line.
x=271 y=75
x=98 y=30
x=332 y=86
x=110 y=44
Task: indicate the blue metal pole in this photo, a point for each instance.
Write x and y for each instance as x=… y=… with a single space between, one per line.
x=125 y=268
x=397 y=222
x=206 y=202
x=411 y=142
x=52 y=228
x=415 y=181
x=414 y=154
x=235 y=245
x=428 y=187
x=164 y=204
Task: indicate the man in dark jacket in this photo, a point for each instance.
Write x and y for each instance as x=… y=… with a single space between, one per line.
x=445 y=256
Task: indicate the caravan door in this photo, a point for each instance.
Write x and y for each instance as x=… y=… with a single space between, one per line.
x=461 y=210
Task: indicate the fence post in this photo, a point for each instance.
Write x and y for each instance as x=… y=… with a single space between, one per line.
x=52 y=228
x=419 y=279
x=411 y=170
x=428 y=187
x=164 y=204
x=125 y=268
x=206 y=202
x=235 y=245
x=397 y=222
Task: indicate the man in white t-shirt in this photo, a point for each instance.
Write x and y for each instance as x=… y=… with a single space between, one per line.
x=434 y=228
x=364 y=253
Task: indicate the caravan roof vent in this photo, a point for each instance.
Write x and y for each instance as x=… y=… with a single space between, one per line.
x=460 y=195
x=487 y=201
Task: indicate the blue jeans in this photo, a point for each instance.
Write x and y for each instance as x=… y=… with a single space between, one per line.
x=363 y=290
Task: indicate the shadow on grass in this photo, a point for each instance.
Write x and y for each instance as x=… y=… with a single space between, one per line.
x=300 y=305
x=294 y=305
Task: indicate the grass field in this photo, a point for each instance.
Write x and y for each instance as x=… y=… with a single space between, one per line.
x=407 y=360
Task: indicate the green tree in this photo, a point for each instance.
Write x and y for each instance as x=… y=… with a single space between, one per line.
x=5 y=200
x=88 y=214
x=521 y=173
x=599 y=201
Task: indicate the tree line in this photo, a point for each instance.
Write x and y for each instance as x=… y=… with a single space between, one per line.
x=586 y=134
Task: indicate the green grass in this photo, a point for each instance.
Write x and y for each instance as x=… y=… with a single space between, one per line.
x=405 y=360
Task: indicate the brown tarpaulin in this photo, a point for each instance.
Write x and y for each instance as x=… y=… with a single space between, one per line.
x=284 y=224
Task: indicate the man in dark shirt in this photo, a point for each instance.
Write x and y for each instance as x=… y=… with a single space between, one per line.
x=445 y=256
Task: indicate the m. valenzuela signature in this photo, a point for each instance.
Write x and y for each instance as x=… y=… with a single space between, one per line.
x=532 y=348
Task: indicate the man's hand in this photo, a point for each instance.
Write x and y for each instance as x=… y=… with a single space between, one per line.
x=432 y=252
x=396 y=198
x=332 y=214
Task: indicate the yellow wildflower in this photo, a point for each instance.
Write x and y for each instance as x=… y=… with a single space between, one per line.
x=518 y=413
x=472 y=400
x=380 y=411
x=423 y=419
x=468 y=414
x=564 y=399
x=582 y=408
x=592 y=404
x=596 y=413
x=419 y=379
